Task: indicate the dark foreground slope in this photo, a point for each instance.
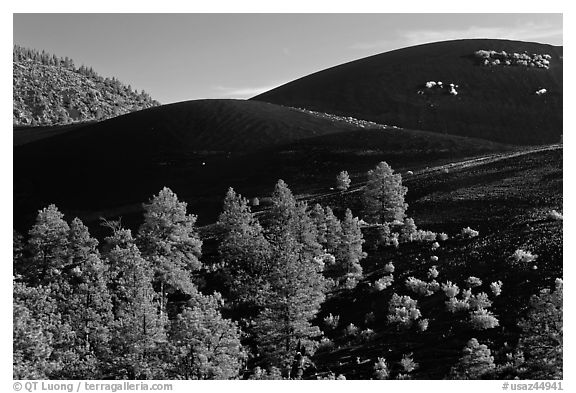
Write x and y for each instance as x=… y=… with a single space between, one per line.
x=495 y=102
x=199 y=149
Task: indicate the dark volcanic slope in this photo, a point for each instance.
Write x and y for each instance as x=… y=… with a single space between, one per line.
x=493 y=102
x=200 y=148
x=203 y=125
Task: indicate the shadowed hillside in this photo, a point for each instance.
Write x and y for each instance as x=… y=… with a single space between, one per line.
x=496 y=102
x=199 y=148
x=203 y=125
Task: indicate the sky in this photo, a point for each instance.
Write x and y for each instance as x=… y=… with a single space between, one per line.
x=178 y=57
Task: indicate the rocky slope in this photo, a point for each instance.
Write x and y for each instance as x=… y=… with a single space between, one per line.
x=48 y=90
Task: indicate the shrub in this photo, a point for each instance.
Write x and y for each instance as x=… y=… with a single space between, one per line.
x=423 y=325
x=466 y=294
x=434 y=258
x=454 y=305
x=389 y=268
x=496 y=288
x=435 y=245
x=554 y=215
x=483 y=319
x=418 y=286
x=480 y=301
x=369 y=318
x=403 y=310
x=273 y=373
x=394 y=240
x=351 y=330
x=331 y=321
x=469 y=233
x=326 y=345
x=433 y=286
x=450 y=290
x=473 y=282
x=351 y=281
x=408 y=364
x=523 y=257
x=381 y=369
x=424 y=236
x=442 y=236
x=433 y=272
x=366 y=335
x=383 y=282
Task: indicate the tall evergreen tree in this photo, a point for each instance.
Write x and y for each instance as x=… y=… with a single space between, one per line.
x=542 y=334
x=293 y=217
x=333 y=232
x=297 y=289
x=48 y=247
x=384 y=195
x=138 y=333
x=319 y=219
x=169 y=241
x=349 y=253
x=43 y=343
x=205 y=345
x=87 y=304
x=244 y=251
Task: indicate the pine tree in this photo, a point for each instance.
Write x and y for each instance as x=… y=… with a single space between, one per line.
x=138 y=333
x=244 y=251
x=205 y=345
x=333 y=232
x=319 y=219
x=283 y=206
x=475 y=362
x=43 y=343
x=350 y=252
x=296 y=291
x=384 y=195
x=48 y=247
x=289 y=216
x=87 y=305
x=542 y=334
x=31 y=347
x=343 y=181
x=169 y=241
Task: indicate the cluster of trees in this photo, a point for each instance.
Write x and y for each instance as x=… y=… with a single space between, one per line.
x=82 y=312
x=51 y=90
x=21 y=54
x=134 y=306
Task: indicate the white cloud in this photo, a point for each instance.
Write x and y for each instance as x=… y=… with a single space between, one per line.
x=525 y=32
